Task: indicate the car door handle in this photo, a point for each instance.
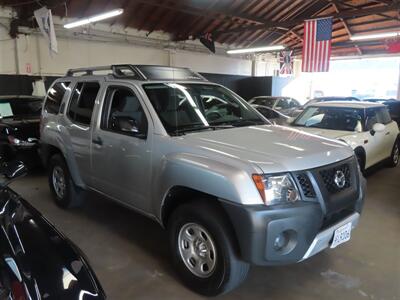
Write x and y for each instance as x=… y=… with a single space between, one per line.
x=387 y=133
x=97 y=141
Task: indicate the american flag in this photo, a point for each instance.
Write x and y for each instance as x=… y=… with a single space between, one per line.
x=317 y=45
x=286 y=62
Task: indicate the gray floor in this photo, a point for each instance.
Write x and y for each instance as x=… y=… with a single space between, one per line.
x=129 y=252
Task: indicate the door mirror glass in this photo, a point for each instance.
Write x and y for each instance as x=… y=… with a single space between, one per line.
x=378 y=127
x=124 y=124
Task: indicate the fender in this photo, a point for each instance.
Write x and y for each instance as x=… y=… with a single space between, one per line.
x=68 y=156
x=204 y=175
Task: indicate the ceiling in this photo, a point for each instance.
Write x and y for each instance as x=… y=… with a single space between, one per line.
x=240 y=23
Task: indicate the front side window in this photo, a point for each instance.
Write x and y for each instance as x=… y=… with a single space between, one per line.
x=384 y=116
x=82 y=102
x=123 y=113
x=55 y=96
x=335 y=118
x=185 y=107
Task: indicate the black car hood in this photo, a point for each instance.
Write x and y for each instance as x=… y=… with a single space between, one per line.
x=37 y=261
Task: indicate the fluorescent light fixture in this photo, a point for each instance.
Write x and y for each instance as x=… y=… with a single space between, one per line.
x=96 y=18
x=374 y=36
x=258 y=49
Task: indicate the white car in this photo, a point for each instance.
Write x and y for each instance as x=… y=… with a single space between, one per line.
x=366 y=127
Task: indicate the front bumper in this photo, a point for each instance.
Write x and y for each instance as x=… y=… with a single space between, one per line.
x=284 y=235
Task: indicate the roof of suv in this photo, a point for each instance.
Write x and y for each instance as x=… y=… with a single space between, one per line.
x=140 y=72
x=347 y=104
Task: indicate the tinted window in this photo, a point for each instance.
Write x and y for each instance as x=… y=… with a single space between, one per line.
x=82 y=102
x=263 y=101
x=372 y=118
x=55 y=96
x=268 y=113
x=124 y=113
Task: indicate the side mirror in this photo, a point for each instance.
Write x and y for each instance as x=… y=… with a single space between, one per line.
x=378 y=127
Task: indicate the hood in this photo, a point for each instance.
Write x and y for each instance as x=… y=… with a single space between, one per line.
x=36 y=260
x=271 y=148
x=22 y=128
x=328 y=133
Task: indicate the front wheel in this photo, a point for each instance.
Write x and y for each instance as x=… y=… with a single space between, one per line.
x=204 y=251
x=65 y=192
x=395 y=156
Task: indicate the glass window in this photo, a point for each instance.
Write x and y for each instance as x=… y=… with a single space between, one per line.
x=124 y=113
x=384 y=116
x=82 y=102
x=283 y=104
x=185 y=107
x=335 y=118
x=55 y=96
x=263 y=101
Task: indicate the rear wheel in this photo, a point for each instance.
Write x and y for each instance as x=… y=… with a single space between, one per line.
x=203 y=249
x=65 y=192
x=395 y=156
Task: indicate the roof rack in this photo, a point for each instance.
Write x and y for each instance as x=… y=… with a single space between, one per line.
x=119 y=71
x=141 y=72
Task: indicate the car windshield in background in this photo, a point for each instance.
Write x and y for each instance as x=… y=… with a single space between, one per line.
x=16 y=107
x=190 y=107
x=336 y=118
x=269 y=102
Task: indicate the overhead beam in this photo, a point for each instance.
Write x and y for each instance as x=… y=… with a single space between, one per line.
x=346 y=26
x=345 y=4
x=343 y=14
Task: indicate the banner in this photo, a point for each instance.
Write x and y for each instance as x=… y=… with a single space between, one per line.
x=44 y=19
x=208 y=41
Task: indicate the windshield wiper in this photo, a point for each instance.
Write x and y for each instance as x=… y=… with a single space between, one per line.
x=196 y=128
x=240 y=123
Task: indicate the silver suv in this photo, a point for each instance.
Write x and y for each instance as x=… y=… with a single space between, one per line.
x=230 y=188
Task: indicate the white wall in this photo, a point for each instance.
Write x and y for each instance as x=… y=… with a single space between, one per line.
x=83 y=52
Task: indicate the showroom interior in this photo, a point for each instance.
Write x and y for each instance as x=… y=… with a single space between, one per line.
x=236 y=149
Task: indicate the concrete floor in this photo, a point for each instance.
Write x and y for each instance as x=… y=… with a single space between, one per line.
x=129 y=252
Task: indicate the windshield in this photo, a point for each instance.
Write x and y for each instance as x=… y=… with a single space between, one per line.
x=184 y=107
x=20 y=107
x=336 y=118
x=269 y=102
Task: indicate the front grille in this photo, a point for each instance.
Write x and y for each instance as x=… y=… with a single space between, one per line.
x=306 y=185
x=328 y=176
x=331 y=219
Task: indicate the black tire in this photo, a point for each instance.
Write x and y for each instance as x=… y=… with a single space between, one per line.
x=394 y=157
x=229 y=271
x=72 y=196
x=361 y=161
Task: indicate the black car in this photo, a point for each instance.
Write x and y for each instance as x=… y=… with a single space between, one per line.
x=36 y=260
x=272 y=115
x=19 y=128
x=392 y=104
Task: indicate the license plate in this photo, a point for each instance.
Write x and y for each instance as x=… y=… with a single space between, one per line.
x=342 y=235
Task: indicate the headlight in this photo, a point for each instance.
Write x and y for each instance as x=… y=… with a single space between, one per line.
x=276 y=189
x=17 y=142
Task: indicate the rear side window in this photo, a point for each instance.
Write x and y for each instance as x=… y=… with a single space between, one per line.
x=55 y=96
x=82 y=102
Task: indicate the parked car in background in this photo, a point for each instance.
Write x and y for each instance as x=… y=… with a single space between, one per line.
x=36 y=260
x=202 y=162
x=366 y=127
x=272 y=115
x=285 y=105
x=19 y=128
x=393 y=106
